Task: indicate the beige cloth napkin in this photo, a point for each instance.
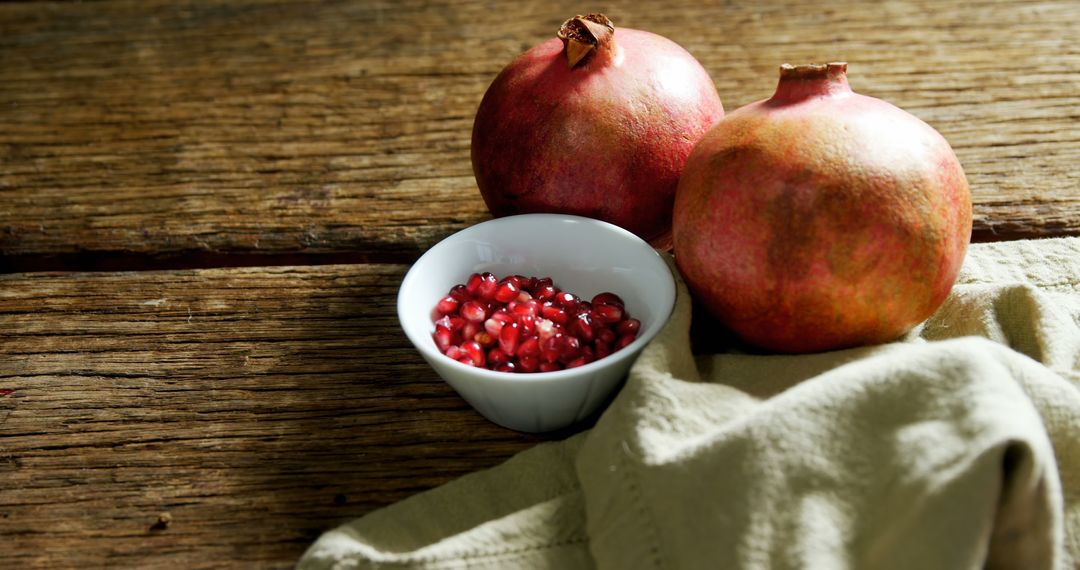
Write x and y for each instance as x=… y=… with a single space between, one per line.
x=957 y=447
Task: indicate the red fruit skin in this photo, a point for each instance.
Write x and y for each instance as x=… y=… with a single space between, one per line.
x=606 y=139
x=821 y=219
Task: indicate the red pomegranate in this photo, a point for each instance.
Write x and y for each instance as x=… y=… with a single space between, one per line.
x=821 y=219
x=584 y=124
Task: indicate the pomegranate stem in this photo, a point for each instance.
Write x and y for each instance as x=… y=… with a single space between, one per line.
x=584 y=35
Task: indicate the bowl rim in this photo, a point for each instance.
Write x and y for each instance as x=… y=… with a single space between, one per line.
x=429 y=351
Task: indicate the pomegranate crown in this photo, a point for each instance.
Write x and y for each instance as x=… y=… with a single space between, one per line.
x=582 y=35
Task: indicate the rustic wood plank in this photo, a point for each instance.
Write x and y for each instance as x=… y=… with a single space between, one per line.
x=258 y=407
x=297 y=127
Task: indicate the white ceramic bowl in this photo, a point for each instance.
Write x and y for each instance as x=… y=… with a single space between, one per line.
x=583 y=256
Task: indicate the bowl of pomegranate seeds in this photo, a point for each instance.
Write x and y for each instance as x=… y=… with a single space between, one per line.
x=535 y=319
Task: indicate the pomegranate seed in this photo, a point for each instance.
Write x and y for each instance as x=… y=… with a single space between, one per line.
x=602 y=349
x=629 y=326
x=461 y=293
x=531 y=308
x=525 y=283
x=505 y=367
x=472 y=284
x=605 y=336
x=447 y=305
x=473 y=311
x=466 y=361
x=565 y=300
x=509 y=337
x=523 y=296
x=484 y=338
x=470 y=330
x=488 y=284
x=497 y=356
x=608 y=298
x=579 y=361
x=581 y=327
x=527 y=324
x=566 y=347
x=549 y=367
x=545 y=292
x=623 y=341
x=454 y=351
x=443 y=338
x=607 y=314
x=528 y=363
x=493 y=326
x=529 y=347
x=474 y=352
x=545 y=329
x=503 y=316
x=554 y=314
x=582 y=307
x=507 y=291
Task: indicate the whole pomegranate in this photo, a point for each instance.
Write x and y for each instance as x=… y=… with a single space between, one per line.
x=821 y=219
x=584 y=124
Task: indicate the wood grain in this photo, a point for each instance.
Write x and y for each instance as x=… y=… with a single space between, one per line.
x=265 y=127
x=258 y=407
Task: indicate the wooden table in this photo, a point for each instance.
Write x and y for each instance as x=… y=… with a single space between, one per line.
x=206 y=209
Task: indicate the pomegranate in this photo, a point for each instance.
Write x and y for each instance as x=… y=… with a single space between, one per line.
x=582 y=124
x=821 y=219
x=526 y=324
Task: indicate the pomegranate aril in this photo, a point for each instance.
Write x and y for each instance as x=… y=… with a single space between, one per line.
x=488 y=284
x=554 y=314
x=545 y=329
x=473 y=311
x=454 y=351
x=531 y=308
x=608 y=298
x=629 y=326
x=579 y=361
x=443 y=338
x=497 y=356
x=607 y=314
x=605 y=336
x=507 y=291
x=461 y=293
x=472 y=285
x=509 y=337
x=447 y=305
x=528 y=363
x=529 y=347
x=470 y=330
x=493 y=326
x=544 y=292
x=581 y=327
x=505 y=367
x=527 y=324
x=602 y=349
x=525 y=283
x=566 y=347
x=484 y=338
x=623 y=341
x=503 y=316
x=565 y=300
x=474 y=351
x=549 y=367
x=523 y=296
x=467 y=361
